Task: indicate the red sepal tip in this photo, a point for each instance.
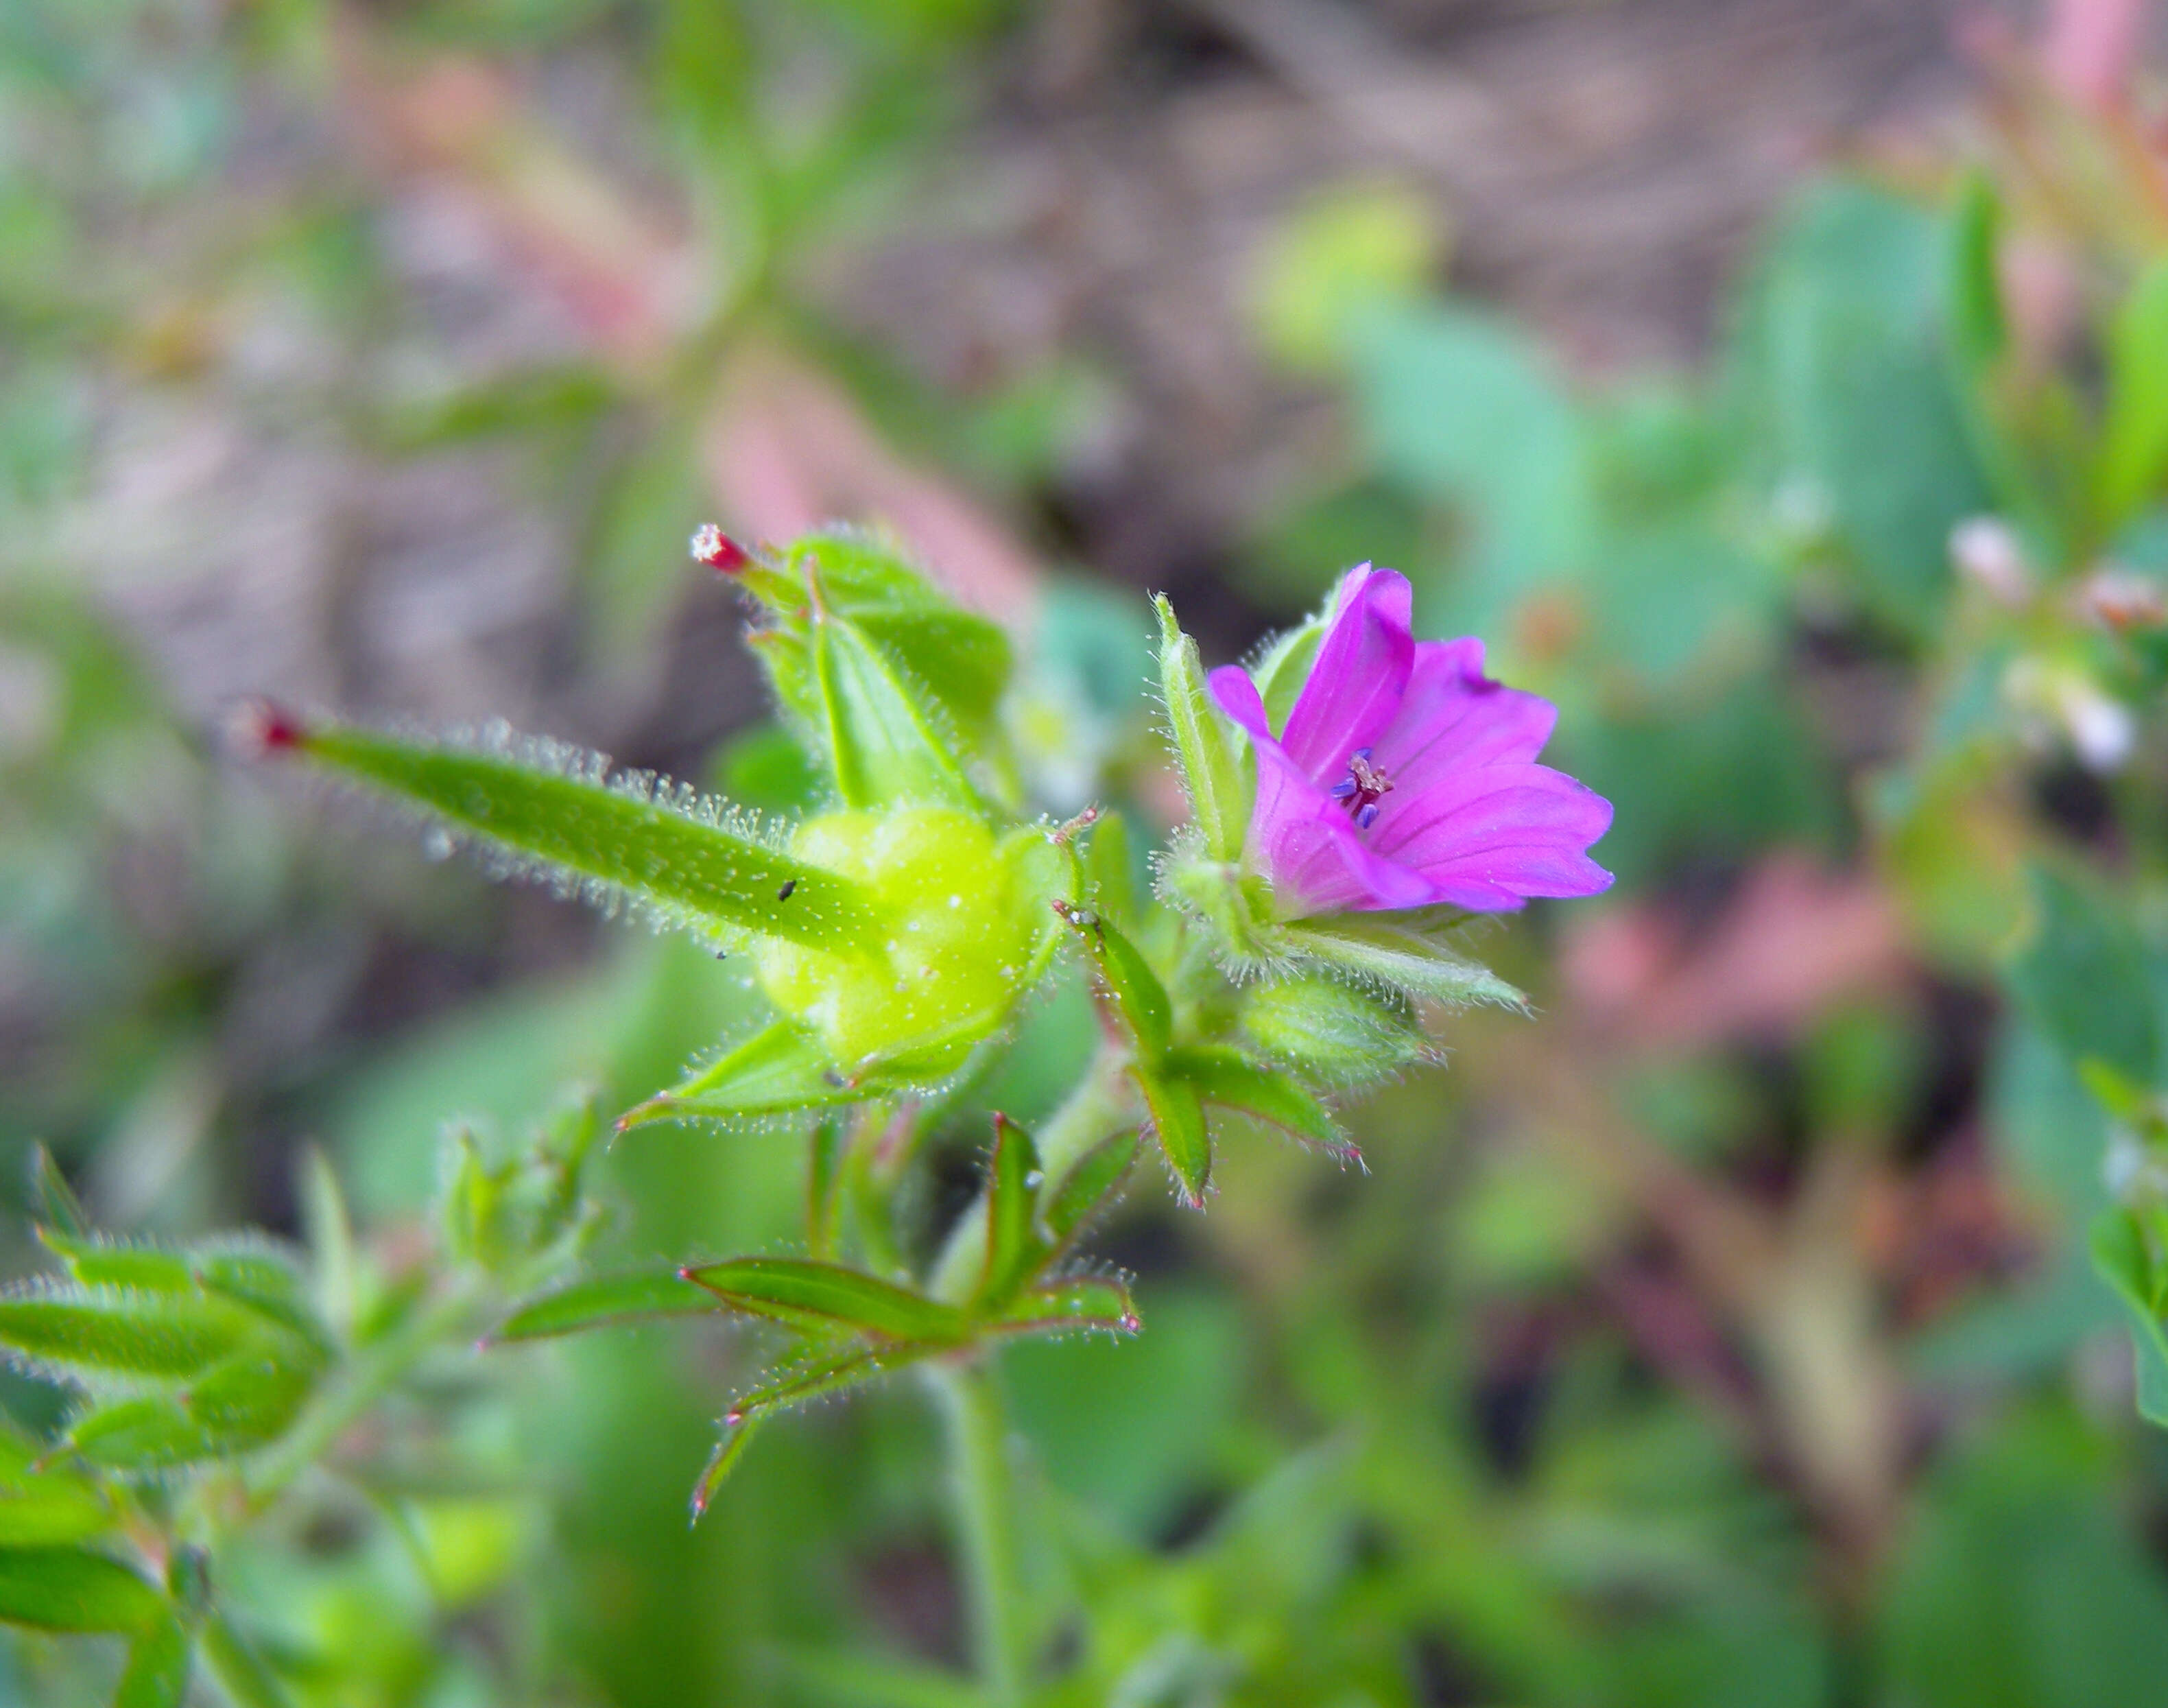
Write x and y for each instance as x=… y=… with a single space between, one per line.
x=258 y=728
x=718 y=550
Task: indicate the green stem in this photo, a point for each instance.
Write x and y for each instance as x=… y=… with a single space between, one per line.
x=374 y=1373
x=984 y=1492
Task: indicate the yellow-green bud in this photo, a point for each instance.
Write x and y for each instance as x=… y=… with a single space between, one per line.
x=966 y=919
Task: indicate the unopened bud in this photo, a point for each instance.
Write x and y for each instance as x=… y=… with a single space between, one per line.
x=719 y=552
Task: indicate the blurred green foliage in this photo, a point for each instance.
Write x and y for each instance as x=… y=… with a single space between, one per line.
x=1756 y=1328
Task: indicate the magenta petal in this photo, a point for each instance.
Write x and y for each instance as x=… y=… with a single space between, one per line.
x=1304 y=842
x=1454 y=718
x=1238 y=697
x=1362 y=671
x=1517 y=828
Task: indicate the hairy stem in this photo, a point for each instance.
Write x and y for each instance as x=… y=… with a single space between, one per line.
x=984 y=1492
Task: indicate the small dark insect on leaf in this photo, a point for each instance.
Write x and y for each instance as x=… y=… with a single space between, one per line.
x=788 y=884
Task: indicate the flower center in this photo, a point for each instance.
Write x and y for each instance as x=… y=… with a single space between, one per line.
x=1362 y=788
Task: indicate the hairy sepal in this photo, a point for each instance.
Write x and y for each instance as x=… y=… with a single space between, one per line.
x=688 y=861
x=1207 y=746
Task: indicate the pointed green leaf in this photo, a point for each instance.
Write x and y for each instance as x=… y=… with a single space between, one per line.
x=1226 y=1079
x=1205 y=742
x=806 y=1294
x=1081 y=1302
x=1014 y=1247
x=777 y=1071
x=240 y=1405
x=1177 y=1123
x=1089 y=1186
x=157 y=1671
x=100 y=1262
x=826 y=1373
x=40 y=1506
x=634 y=1296
x=330 y=1229
x=51 y=1198
x=730 y=1447
x=1126 y=984
x=145 y=1334
x=74 y=1590
x=665 y=850
x=1401 y=956
x=882 y=730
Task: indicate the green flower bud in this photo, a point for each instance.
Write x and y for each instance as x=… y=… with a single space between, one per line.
x=1329 y=1033
x=967 y=930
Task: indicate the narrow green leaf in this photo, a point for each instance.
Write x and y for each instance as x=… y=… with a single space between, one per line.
x=737 y=1436
x=1399 y=956
x=149 y=1334
x=632 y=1296
x=157 y=1671
x=1226 y=1079
x=1089 y=1186
x=1978 y=328
x=806 y=1294
x=2123 y=1260
x=885 y=744
x=330 y=1230
x=827 y=1373
x=1205 y=744
x=679 y=856
x=777 y=1071
x=1014 y=1248
x=2133 y=452
x=240 y=1671
x=101 y=1263
x=1177 y=1123
x=1126 y=984
x=1081 y=1302
x=51 y=1198
x=74 y=1590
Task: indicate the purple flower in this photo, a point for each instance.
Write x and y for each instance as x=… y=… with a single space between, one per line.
x=1406 y=777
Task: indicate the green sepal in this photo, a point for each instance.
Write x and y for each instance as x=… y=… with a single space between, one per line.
x=157 y=1675
x=961 y=658
x=1130 y=992
x=1091 y=1183
x=73 y=1589
x=1206 y=745
x=886 y=743
x=1177 y=1123
x=1402 y=952
x=1331 y=1031
x=780 y=1069
x=1014 y=1248
x=632 y=1295
x=1224 y=1078
x=680 y=857
x=1284 y=665
x=823 y=1296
